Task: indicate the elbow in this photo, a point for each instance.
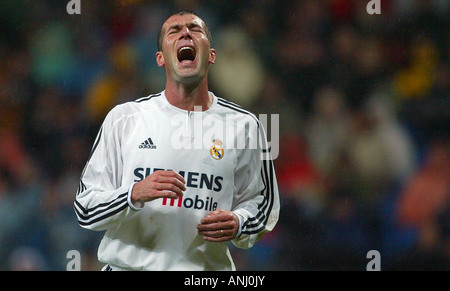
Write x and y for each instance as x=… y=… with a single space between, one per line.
x=86 y=222
x=93 y=226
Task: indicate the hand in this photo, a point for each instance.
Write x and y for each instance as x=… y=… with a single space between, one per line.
x=219 y=226
x=160 y=184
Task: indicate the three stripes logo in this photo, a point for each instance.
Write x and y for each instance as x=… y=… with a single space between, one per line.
x=147 y=144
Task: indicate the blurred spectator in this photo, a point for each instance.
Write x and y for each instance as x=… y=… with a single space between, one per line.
x=343 y=46
x=299 y=48
x=236 y=67
x=428 y=117
x=397 y=143
x=328 y=128
x=120 y=83
x=52 y=53
x=20 y=194
x=27 y=259
x=274 y=99
x=416 y=80
x=428 y=192
x=423 y=204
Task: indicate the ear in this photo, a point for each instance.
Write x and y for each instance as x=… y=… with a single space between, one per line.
x=212 y=56
x=160 y=59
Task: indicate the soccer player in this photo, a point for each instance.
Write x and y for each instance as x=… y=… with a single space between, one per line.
x=166 y=200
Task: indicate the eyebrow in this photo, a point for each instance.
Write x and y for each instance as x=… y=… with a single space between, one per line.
x=190 y=25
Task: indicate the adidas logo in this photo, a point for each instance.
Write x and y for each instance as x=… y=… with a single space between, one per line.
x=147 y=144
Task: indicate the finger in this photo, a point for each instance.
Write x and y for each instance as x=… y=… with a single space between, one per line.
x=217 y=216
x=173 y=174
x=169 y=187
x=171 y=180
x=216 y=233
x=230 y=224
x=161 y=176
x=165 y=194
x=218 y=236
x=178 y=183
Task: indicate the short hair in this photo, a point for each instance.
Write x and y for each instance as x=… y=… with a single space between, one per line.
x=183 y=12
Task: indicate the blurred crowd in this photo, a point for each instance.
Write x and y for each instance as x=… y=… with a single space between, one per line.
x=363 y=104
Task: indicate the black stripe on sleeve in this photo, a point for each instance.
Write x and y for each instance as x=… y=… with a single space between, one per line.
x=258 y=222
x=97 y=141
x=101 y=211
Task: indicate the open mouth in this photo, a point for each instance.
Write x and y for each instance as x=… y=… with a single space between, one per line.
x=186 y=53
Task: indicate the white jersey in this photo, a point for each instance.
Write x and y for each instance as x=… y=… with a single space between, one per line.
x=213 y=150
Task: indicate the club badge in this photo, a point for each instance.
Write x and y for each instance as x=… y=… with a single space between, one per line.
x=216 y=150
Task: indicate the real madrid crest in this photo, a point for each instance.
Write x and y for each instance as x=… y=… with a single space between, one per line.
x=216 y=150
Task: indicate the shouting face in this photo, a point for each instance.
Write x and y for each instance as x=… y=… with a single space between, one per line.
x=185 y=49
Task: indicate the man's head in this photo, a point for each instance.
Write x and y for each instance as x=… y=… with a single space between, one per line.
x=183 y=12
x=184 y=47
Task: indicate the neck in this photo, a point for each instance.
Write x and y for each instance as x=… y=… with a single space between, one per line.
x=187 y=97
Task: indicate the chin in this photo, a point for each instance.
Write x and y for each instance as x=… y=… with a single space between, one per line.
x=190 y=75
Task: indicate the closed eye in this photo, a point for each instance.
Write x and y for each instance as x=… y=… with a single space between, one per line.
x=191 y=26
x=195 y=27
x=174 y=29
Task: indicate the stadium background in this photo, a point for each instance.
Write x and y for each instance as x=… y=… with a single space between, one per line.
x=363 y=102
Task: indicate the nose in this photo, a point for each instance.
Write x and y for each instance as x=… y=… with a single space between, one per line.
x=185 y=32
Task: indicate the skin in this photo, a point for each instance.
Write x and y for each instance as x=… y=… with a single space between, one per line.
x=186 y=87
x=186 y=83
